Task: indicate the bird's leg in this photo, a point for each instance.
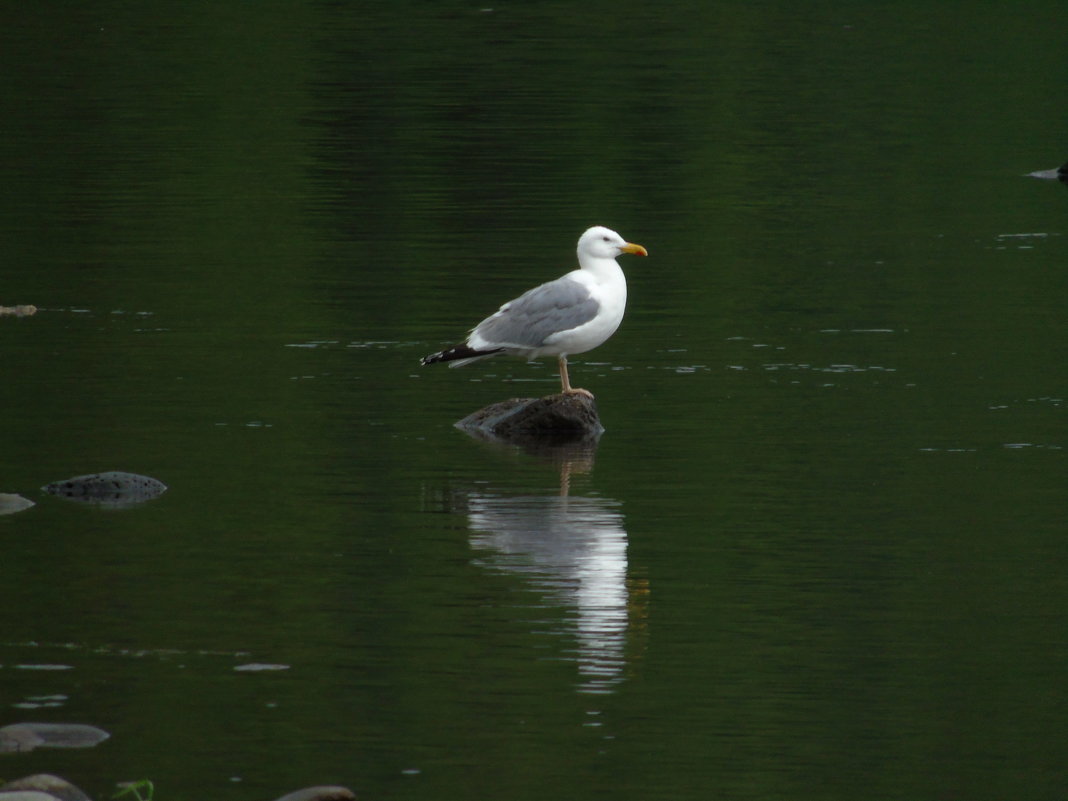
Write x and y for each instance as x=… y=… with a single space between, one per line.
x=565 y=383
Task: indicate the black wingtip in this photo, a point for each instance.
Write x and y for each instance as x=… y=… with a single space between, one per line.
x=457 y=352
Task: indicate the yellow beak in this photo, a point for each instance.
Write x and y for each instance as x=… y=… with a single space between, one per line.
x=637 y=250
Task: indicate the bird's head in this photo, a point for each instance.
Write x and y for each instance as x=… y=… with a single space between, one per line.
x=604 y=243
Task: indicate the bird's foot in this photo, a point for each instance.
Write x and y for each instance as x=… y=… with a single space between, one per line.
x=578 y=391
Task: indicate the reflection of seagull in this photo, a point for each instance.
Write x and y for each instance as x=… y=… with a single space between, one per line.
x=573 y=314
x=574 y=550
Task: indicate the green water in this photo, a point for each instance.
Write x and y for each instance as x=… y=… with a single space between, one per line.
x=819 y=551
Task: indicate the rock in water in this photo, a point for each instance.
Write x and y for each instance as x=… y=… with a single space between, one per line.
x=28 y=795
x=114 y=488
x=18 y=311
x=42 y=787
x=565 y=417
x=325 y=793
x=28 y=736
x=1059 y=174
x=10 y=503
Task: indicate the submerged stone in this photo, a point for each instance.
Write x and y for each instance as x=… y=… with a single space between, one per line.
x=28 y=736
x=39 y=787
x=325 y=793
x=11 y=503
x=113 y=488
x=18 y=311
x=26 y=795
x=1059 y=174
x=565 y=417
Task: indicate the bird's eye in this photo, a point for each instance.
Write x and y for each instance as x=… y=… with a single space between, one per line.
x=605 y=238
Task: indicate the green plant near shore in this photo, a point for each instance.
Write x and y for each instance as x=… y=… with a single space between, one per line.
x=134 y=789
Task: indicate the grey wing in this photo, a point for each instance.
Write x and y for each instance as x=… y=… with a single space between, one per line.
x=530 y=319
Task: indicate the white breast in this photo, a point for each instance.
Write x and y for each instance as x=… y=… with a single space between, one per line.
x=608 y=287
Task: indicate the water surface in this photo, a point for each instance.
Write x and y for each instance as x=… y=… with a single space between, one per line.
x=818 y=552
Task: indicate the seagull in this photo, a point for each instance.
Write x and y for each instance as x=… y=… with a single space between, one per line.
x=573 y=314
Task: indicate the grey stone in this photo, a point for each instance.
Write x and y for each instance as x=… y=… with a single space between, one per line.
x=28 y=736
x=23 y=310
x=1059 y=174
x=325 y=793
x=11 y=503
x=112 y=488
x=41 y=787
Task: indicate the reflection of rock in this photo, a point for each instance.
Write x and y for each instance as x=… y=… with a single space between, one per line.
x=9 y=503
x=574 y=550
x=113 y=488
x=18 y=311
x=569 y=457
x=43 y=787
x=28 y=736
x=565 y=417
x=320 y=794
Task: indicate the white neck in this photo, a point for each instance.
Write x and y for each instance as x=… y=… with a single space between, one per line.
x=601 y=267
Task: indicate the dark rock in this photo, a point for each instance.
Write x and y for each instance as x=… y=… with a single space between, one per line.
x=39 y=787
x=319 y=794
x=28 y=736
x=113 y=488
x=566 y=417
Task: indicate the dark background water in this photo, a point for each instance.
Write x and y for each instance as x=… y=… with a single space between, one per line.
x=819 y=552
